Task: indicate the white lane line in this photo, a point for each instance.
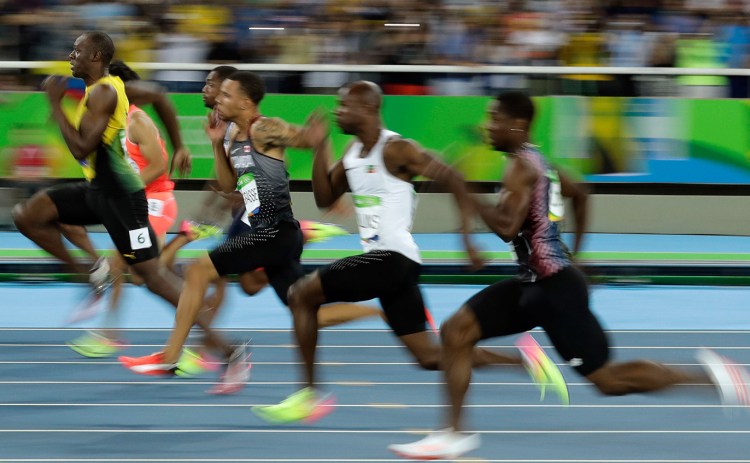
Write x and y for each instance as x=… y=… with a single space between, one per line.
x=355 y=460
x=330 y=363
x=346 y=460
x=366 y=431
x=394 y=346
x=360 y=330
x=188 y=382
x=377 y=405
x=99 y=362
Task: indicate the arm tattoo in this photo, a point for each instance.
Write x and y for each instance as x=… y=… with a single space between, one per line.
x=275 y=133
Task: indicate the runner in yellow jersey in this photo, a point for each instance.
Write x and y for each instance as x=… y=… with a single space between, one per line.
x=113 y=193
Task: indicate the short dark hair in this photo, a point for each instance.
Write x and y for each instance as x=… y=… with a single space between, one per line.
x=251 y=84
x=222 y=72
x=517 y=105
x=123 y=71
x=102 y=43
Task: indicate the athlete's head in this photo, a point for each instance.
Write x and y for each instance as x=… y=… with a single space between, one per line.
x=240 y=92
x=123 y=71
x=91 y=55
x=509 y=118
x=213 y=83
x=359 y=106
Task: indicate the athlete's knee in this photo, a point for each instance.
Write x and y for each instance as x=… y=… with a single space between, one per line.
x=611 y=387
x=252 y=282
x=429 y=360
x=460 y=330
x=306 y=292
x=608 y=382
x=251 y=288
x=22 y=219
x=36 y=210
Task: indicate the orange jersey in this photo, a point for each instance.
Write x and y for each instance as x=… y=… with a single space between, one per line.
x=162 y=183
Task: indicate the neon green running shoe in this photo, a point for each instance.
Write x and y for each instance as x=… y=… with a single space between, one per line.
x=304 y=405
x=94 y=345
x=542 y=369
x=200 y=230
x=317 y=232
x=192 y=363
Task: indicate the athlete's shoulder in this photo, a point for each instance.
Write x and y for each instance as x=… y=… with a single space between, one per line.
x=102 y=97
x=399 y=147
x=101 y=87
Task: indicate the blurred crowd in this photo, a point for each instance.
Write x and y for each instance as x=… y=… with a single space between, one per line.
x=631 y=33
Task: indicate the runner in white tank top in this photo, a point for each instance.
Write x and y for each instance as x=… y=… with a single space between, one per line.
x=378 y=169
x=385 y=204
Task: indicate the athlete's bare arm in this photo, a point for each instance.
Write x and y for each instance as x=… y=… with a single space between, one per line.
x=506 y=218
x=140 y=93
x=100 y=106
x=578 y=193
x=406 y=159
x=329 y=182
x=226 y=177
x=143 y=132
x=271 y=134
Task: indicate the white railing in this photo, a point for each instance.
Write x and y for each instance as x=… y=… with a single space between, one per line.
x=428 y=69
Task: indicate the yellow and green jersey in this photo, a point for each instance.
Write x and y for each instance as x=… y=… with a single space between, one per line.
x=107 y=167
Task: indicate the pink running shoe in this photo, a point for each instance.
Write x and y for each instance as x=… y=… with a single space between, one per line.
x=237 y=373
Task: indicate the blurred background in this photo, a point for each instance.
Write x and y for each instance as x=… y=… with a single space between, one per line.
x=618 y=33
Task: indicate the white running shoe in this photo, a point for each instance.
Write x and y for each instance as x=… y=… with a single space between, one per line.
x=99 y=276
x=730 y=379
x=439 y=445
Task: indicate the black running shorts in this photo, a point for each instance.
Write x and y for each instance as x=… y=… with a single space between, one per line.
x=386 y=275
x=277 y=250
x=125 y=217
x=559 y=304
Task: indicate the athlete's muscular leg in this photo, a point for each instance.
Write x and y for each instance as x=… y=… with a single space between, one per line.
x=252 y=282
x=424 y=348
x=429 y=355
x=117 y=269
x=36 y=218
x=460 y=334
x=164 y=283
x=169 y=252
x=77 y=235
x=305 y=297
x=641 y=376
x=343 y=312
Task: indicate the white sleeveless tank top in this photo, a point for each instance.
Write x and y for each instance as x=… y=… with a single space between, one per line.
x=385 y=204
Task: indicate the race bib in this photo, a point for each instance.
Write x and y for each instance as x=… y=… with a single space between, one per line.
x=127 y=157
x=248 y=187
x=140 y=239
x=556 y=206
x=155 y=207
x=368 y=210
